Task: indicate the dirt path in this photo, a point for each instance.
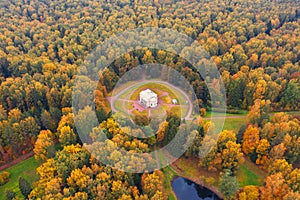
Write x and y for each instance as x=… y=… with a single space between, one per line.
x=253 y=167
x=157 y=158
x=16 y=161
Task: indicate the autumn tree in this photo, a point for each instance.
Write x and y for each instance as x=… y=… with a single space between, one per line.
x=226 y=155
x=47 y=121
x=160 y=135
x=262 y=151
x=275 y=187
x=259 y=113
x=232 y=156
x=44 y=145
x=290 y=99
x=141 y=120
x=152 y=183
x=249 y=192
x=250 y=139
x=78 y=180
x=67 y=136
x=292 y=196
x=109 y=78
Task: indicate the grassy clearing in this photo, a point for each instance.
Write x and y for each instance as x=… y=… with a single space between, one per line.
x=191 y=169
x=158 y=112
x=166 y=99
x=184 y=111
x=127 y=94
x=25 y=169
x=221 y=114
x=121 y=87
x=166 y=92
x=234 y=123
x=249 y=173
x=129 y=105
x=230 y=123
x=246 y=176
x=144 y=112
x=169 y=175
x=119 y=105
x=158 y=88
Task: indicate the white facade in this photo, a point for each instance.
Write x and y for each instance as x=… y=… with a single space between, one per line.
x=174 y=101
x=148 y=99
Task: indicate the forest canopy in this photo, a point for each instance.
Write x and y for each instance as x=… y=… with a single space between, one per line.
x=43 y=43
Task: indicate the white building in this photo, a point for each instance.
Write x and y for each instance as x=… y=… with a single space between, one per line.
x=148 y=99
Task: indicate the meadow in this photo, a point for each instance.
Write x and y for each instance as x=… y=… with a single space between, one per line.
x=25 y=169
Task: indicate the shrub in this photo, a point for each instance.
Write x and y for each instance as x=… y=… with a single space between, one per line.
x=24 y=186
x=141 y=120
x=202 y=112
x=4 y=177
x=209 y=180
x=234 y=111
x=10 y=195
x=228 y=110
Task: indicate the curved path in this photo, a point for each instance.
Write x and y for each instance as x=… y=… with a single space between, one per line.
x=112 y=99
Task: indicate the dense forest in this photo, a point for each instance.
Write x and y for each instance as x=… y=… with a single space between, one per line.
x=254 y=44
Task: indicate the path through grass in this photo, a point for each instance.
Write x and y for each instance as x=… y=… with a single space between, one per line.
x=246 y=176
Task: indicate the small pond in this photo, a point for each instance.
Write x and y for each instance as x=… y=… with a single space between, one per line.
x=188 y=190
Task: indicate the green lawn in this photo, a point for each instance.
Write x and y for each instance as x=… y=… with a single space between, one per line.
x=230 y=123
x=246 y=176
x=169 y=175
x=25 y=169
x=234 y=123
x=158 y=112
x=133 y=92
x=220 y=114
x=119 y=105
x=158 y=88
x=249 y=173
x=120 y=87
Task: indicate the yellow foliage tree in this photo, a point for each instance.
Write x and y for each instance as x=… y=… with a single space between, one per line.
x=250 y=139
x=232 y=156
x=160 y=135
x=79 y=180
x=249 y=192
x=44 y=145
x=67 y=136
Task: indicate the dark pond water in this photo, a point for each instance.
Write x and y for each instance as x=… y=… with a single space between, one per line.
x=188 y=190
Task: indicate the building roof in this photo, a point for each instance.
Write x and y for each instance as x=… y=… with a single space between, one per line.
x=147 y=94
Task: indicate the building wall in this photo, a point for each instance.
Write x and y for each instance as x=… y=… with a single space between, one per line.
x=148 y=104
